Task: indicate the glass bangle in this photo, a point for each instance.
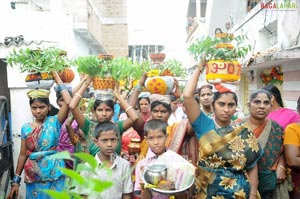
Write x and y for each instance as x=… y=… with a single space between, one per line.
x=16 y=179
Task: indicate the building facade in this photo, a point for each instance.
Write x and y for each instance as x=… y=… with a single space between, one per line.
x=272 y=28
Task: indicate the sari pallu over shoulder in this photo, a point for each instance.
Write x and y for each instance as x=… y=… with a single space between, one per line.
x=231 y=142
x=39 y=165
x=225 y=155
x=270 y=138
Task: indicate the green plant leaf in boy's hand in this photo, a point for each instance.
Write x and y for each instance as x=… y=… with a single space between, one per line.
x=87 y=158
x=73 y=175
x=84 y=167
x=76 y=196
x=98 y=185
x=57 y=195
x=62 y=155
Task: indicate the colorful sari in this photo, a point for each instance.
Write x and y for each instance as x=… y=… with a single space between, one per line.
x=41 y=171
x=270 y=138
x=64 y=143
x=225 y=156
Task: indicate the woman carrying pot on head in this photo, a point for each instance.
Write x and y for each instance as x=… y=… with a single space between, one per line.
x=228 y=155
x=143 y=109
x=180 y=137
x=64 y=143
x=271 y=166
x=69 y=129
x=143 y=104
x=180 y=134
x=39 y=140
x=103 y=110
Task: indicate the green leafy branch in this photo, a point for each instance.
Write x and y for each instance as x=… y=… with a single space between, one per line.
x=174 y=66
x=39 y=60
x=208 y=46
x=120 y=68
x=92 y=65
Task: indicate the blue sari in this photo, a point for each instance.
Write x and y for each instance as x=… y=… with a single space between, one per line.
x=41 y=171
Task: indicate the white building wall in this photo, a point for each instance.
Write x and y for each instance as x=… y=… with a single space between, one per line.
x=42 y=29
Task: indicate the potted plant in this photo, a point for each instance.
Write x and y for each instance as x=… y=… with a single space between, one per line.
x=139 y=70
x=66 y=75
x=161 y=78
x=157 y=57
x=39 y=63
x=222 y=53
x=172 y=68
x=107 y=70
x=97 y=67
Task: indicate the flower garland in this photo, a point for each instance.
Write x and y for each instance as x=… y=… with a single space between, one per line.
x=272 y=77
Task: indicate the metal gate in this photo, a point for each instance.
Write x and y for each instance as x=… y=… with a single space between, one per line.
x=6 y=148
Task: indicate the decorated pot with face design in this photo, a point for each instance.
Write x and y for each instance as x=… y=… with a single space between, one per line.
x=163 y=85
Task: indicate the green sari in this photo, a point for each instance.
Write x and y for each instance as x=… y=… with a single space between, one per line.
x=270 y=138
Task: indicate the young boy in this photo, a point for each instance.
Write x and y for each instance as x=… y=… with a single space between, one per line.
x=155 y=132
x=106 y=138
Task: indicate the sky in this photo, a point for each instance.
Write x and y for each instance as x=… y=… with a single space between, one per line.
x=160 y=22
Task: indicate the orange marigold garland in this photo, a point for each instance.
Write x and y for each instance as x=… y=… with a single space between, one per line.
x=272 y=77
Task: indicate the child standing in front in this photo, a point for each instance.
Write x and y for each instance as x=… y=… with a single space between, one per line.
x=107 y=136
x=155 y=132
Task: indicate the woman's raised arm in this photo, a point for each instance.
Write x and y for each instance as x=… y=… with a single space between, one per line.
x=192 y=108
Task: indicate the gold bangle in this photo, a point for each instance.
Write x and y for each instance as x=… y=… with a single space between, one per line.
x=282 y=167
x=78 y=95
x=127 y=109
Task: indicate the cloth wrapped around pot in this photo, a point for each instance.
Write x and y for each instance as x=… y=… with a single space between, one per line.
x=104 y=95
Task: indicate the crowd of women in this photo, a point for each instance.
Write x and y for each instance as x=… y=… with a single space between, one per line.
x=256 y=157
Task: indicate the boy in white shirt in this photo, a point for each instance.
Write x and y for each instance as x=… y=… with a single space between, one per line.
x=106 y=138
x=156 y=135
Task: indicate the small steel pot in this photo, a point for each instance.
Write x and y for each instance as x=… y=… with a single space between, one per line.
x=155 y=172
